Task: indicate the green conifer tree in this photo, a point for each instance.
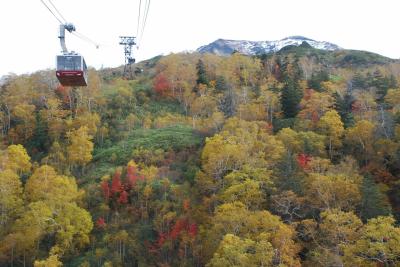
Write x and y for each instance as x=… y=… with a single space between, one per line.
x=290 y=98
x=201 y=73
x=374 y=202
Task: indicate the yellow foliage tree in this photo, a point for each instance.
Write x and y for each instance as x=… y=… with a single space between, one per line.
x=51 y=261
x=248 y=192
x=89 y=120
x=241 y=70
x=331 y=191
x=23 y=240
x=361 y=138
x=302 y=142
x=130 y=121
x=270 y=100
x=235 y=219
x=15 y=158
x=74 y=225
x=80 y=149
x=252 y=112
x=55 y=117
x=46 y=185
x=52 y=212
x=377 y=245
x=339 y=228
x=393 y=98
x=221 y=155
x=234 y=251
x=247 y=186
x=314 y=105
x=331 y=125
x=11 y=201
x=25 y=115
x=290 y=139
x=365 y=105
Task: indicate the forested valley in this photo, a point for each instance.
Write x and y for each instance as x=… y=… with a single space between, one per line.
x=283 y=159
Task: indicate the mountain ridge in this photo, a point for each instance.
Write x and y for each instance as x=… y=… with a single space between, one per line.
x=226 y=47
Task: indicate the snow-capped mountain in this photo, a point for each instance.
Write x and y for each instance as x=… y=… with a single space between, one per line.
x=226 y=47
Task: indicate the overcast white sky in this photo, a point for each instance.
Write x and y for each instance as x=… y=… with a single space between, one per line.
x=29 y=32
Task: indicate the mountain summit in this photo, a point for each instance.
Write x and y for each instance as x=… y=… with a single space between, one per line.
x=227 y=47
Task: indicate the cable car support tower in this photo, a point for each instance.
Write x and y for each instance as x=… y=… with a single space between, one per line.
x=128 y=42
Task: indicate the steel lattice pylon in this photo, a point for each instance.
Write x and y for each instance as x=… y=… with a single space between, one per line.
x=128 y=42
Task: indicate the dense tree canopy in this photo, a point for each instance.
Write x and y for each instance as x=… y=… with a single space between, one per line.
x=285 y=159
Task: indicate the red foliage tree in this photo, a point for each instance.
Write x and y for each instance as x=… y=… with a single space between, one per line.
x=181 y=224
x=161 y=84
x=132 y=176
x=161 y=239
x=116 y=185
x=101 y=222
x=123 y=197
x=303 y=160
x=192 y=230
x=106 y=190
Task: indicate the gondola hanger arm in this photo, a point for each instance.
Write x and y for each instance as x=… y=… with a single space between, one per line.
x=70 y=28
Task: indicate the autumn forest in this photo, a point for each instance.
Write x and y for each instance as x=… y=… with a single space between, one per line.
x=283 y=159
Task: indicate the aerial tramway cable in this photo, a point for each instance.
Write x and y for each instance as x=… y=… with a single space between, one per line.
x=141 y=21
x=58 y=12
x=57 y=18
x=144 y=20
x=86 y=39
x=138 y=20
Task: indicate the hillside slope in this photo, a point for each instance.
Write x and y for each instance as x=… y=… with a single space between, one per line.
x=286 y=158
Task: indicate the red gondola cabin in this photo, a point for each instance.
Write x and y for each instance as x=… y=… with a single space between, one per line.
x=71 y=70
